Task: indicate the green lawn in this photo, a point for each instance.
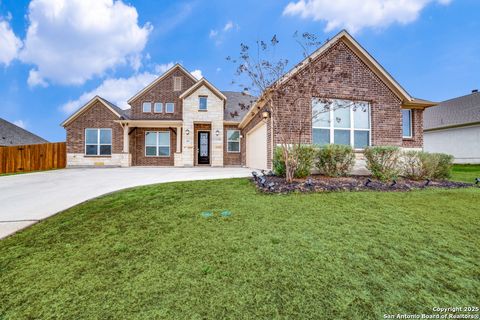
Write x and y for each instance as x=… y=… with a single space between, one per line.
x=147 y=253
x=466 y=172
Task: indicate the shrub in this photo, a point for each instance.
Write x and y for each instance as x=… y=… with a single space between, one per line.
x=335 y=160
x=423 y=165
x=383 y=162
x=305 y=155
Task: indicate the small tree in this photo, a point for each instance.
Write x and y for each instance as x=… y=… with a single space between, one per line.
x=265 y=76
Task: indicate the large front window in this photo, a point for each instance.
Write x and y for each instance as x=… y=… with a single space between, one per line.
x=341 y=122
x=98 y=142
x=157 y=143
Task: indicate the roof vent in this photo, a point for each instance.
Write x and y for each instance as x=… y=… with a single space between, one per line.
x=474 y=90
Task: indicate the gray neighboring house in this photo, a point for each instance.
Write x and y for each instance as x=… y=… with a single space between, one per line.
x=12 y=135
x=453 y=127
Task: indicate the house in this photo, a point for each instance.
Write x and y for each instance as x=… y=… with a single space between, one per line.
x=453 y=127
x=12 y=135
x=178 y=120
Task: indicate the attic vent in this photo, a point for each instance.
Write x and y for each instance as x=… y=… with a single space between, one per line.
x=474 y=90
x=177 y=83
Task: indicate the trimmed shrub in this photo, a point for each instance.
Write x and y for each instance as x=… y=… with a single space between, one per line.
x=335 y=160
x=278 y=163
x=423 y=165
x=305 y=155
x=383 y=162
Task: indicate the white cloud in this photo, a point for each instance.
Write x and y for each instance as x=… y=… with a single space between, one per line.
x=213 y=33
x=115 y=90
x=161 y=68
x=10 y=44
x=355 y=15
x=20 y=123
x=34 y=79
x=228 y=26
x=71 y=41
x=197 y=74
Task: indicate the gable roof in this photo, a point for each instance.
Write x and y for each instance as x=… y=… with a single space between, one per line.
x=113 y=108
x=377 y=69
x=455 y=112
x=160 y=78
x=13 y=135
x=203 y=82
x=237 y=105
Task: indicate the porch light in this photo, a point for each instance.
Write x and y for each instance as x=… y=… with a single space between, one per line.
x=187 y=132
x=265 y=115
x=217 y=132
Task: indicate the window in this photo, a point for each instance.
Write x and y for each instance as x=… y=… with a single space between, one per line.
x=202 y=103
x=98 y=142
x=233 y=140
x=341 y=122
x=407 y=123
x=157 y=144
x=158 y=107
x=177 y=83
x=170 y=107
x=147 y=107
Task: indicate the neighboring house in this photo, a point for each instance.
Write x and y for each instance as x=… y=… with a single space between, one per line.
x=12 y=135
x=178 y=120
x=453 y=127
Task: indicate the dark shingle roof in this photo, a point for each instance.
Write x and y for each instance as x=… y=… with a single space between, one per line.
x=238 y=104
x=453 y=112
x=12 y=135
x=123 y=113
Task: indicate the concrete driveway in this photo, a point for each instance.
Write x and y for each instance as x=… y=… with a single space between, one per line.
x=28 y=198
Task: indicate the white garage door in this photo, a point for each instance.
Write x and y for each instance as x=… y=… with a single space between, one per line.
x=257 y=147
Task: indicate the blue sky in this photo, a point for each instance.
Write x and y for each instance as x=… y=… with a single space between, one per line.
x=56 y=54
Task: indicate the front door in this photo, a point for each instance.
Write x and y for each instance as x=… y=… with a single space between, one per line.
x=203 y=147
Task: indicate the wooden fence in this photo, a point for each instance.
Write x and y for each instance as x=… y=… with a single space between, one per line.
x=33 y=157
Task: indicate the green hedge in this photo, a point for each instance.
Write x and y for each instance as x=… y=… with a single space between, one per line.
x=335 y=160
x=305 y=154
x=383 y=162
x=423 y=165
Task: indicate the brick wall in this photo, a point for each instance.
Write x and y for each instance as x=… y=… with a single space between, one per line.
x=97 y=116
x=137 y=148
x=341 y=75
x=162 y=92
x=231 y=158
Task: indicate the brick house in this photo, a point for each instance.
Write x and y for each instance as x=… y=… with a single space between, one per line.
x=178 y=120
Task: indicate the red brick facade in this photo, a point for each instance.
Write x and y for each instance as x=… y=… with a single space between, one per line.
x=231 y=158
x=162 y=92
x=97 y=116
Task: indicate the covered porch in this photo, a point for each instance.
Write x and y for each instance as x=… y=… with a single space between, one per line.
x=153 y=142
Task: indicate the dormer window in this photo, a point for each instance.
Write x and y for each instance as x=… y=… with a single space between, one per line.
x=202 y=103
x=177 y=83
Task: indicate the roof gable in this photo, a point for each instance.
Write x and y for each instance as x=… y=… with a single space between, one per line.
x=114 y=109
x=13 y=135
x=363 y=55
x=200 y=83
x=160 y=78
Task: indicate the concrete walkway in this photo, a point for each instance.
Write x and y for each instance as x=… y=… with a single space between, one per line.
x=28 y=198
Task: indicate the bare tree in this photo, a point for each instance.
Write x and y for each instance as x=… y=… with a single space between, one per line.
x=265 y=75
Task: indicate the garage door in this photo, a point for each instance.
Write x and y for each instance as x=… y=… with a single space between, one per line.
x=257 y=147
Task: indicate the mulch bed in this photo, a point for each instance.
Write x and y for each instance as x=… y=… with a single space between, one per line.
x=317 y=183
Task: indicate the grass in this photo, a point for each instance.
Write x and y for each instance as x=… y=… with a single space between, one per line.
x=465 y=172
x=148 y=253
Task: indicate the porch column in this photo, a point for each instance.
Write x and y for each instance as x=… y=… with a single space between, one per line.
x=179 y=139
x=126 y=141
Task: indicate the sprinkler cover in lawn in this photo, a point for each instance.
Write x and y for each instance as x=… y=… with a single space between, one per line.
x=226 y=213
x=207 y=214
